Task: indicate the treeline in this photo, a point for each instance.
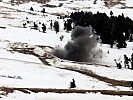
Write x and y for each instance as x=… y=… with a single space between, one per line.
x=112 y=30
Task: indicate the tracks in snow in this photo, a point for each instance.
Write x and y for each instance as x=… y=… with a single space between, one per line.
x=28 y=62
x=76 y=68
x=87 y=72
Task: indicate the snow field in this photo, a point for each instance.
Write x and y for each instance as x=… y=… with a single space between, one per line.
x=19 y=70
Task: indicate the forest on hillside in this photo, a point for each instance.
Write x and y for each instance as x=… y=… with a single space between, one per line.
x=112 y=30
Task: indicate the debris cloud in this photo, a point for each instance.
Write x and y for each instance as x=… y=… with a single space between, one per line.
x=81 y=47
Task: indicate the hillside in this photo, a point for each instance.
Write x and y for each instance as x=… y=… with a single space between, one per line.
x=29 y=70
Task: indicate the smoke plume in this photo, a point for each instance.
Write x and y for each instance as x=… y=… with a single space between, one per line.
x=81 y=46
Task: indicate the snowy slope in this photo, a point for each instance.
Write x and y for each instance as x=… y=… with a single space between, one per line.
x=53 y=96
x=27 y=71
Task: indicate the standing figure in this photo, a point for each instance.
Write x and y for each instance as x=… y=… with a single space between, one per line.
x=72 y=84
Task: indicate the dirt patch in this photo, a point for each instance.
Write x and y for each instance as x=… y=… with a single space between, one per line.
x=37 y=90
x=6 y=91
x=112 y=3
x=25 y=1
x=2 y=27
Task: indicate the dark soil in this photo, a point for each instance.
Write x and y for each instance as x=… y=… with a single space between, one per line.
x=37 y=90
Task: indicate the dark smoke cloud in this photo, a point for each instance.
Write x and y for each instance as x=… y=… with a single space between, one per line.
x=80 y=47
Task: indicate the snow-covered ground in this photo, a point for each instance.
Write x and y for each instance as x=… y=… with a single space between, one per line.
x=54 y=96
x=27 y=71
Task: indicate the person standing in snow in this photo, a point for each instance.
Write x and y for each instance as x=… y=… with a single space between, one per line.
x=72 y=84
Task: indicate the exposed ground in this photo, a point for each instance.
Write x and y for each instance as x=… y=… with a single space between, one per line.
x=7 y=90
x=25 y=1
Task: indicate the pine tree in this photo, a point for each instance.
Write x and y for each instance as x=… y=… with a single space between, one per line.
x=111 y=13
x=31 y=9
x=43 y=28
x=51 y=24
x=69 y=25
x=56 y=26
x=43 y=11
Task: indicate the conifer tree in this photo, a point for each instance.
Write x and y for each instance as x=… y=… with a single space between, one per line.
x=31 y=9
x=56 y=26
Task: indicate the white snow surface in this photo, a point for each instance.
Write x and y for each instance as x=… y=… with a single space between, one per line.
x=27 y=71
x=53 y=96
